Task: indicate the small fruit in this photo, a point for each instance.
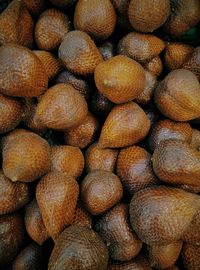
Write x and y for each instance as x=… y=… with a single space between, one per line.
x=107 y=50
x=35 y=7
x=154 y=66
x=100 y=105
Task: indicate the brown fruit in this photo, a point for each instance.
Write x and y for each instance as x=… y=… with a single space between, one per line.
x=176 y=162
x=12 y=236
x=12 y=195
x=190 y=188
x=183 y=16
x=50 y=29
x=56 y=195
x=21 y=72
x=176 y=54
x=191 y=257
x=193 y=63
x=140 y=47
x=127 y=124
x=51 y=64
x=26 y=157
x=120 y=79
x=84 y=134
x=107 y=50
x=79 y=248
x=10 y=113
x=167 y=211
x=95 y=17
x=138 y=263
x=100 y=190
x=35 y=7
x=79 y=53
x=115 y=229
x=134 y=169
x=97 y=158
x=154 y=66
x=34 y=223
x=147 y=16
x=61 y=107
x=67 y=159
x=82 y=217
x=100 y=105
x=12 y=135
x=178 y=96
x=164 y=256
x=30 y=258
x=195 y=142
x=192 y=234
x=16 y=25
x=63 y=3
x=166 y=129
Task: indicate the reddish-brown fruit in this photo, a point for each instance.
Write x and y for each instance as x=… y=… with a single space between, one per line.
x=169 y=212
x=138 y=263
x=166 y=129
x=147 y=16
x=176 y=162
x=120 y=79
x=140 y=47
x=195 y=142
x=126 y=125
x=178 y=95
x=164 y=256
x=79 y=53
x=183 y=16
x=21 y=72
x=26 y=157
x=80 y=248
x=34 y=223
x=56 y=195
x=63 y=3
x=190 y=256
x=67 y=159
x=10 y=113
x=30 y=258
x=84 y=134
x=100 y=190
x=192 y=234
x=35 y=7
x=95 y=17
x=16 y=25
x=107 y=50
x=193 y=63
x=12 y=237
x=97 y=158
x=115 y=229
x=154 y=66
x=82 y=217
x=134 y=169
x=100 y=105
x=61 y=107
x=176 y=54
x=50 y=29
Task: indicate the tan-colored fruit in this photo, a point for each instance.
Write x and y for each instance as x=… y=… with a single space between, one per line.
x=61 y=107
x=178 y=95
x=10 y=113
x=84 y=134
x=50 y=29
x=115 y=229
x=120 y=79
x=67 y=159
x=138 y=263
x=100 y=105
x=82 y=217
x=35 y=7
x=126 y=125
x=79 y=53
x=21 y=72
x=169 y=212
x=12 y=237
x=140 y=47
x=191 y=256
x=164 y=256
x=100 y=190
x=166 y=129
x=31 y=257
x=79 y=248
x=95 y=17
x=12 y=195
x=176 y=162
x=51 y=64
x=63 y=3
x=26 y=157
x=183 y=16
x=147 y=16
x=195 y=142
x=34 y=223
x=154 y=66
x=134 y=169
x=107 y=50
x=56 y=195
x=97 y=158
x=192 y=234
x=16 y=25
x=176 y=54
x=12 y=135
x=193 y=63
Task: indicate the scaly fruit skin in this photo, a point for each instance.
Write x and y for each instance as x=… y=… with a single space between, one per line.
x=57 y=195
x=191 y=256
x=35 y=7
x=82 y=217
x=169 y=212
x=195 y=142
x=138 y=263
x=193 y=63
x=192 y=234
x=21 y=72
x=79 y=248
x=154 y=66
